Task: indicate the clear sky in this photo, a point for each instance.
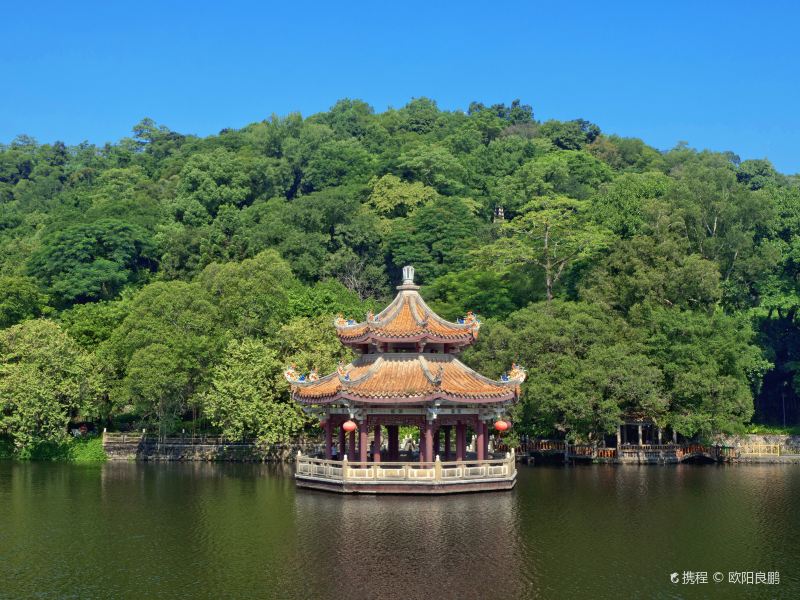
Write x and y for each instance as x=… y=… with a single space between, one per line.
x=719 y=75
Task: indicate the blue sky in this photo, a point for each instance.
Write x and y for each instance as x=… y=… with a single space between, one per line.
x=719 y=75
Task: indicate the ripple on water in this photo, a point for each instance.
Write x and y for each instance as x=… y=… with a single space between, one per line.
x=213 y=531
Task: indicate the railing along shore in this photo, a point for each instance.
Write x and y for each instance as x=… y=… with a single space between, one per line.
x=669 y=452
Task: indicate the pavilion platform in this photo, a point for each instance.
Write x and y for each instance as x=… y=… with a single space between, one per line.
x=406 y=477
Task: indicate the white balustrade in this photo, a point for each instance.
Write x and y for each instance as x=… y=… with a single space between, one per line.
x=406 y=471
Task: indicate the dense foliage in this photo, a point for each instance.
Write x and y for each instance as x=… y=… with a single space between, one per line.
x=165 y=280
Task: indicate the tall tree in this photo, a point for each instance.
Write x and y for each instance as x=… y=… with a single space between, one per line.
x=45 y=380
x=552 y=233
x=249 y=397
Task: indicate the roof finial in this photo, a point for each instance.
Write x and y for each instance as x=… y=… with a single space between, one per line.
x=408 y=275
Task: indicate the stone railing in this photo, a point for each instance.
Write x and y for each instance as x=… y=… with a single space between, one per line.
x=436 y=471
x=762 y=450
x=141 y=446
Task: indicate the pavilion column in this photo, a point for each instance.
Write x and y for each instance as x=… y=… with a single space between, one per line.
x=619 y=436
x=328 y=439
x=342 y=450
x=436 y=442
x=460 y=440
x=363 y=441
x=428 y=441
x=351 y=450
x=376 y=445
x=486 y=441
x=640 y=434
x=480 y=434
x=394 y=441
x=421 y=443
x=659 y=435
x=674 y=437
x=447 y=442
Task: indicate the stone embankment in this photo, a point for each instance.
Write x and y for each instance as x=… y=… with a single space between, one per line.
x=141 y=446
x=738 y=449
x=763 y=448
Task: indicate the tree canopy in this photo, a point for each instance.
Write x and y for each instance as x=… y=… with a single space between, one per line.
x=167 y=278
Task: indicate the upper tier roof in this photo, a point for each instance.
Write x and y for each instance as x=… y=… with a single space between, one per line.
x=408 y=319
x=400 y=378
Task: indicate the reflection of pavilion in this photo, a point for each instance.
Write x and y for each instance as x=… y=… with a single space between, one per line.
x=407 y=374
x=410 y=547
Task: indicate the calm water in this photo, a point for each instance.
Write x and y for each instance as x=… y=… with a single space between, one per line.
x=243 y=531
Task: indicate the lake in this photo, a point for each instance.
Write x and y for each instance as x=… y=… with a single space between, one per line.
x=125 y=530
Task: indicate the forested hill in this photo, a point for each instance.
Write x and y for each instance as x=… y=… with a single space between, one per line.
x=169 y=278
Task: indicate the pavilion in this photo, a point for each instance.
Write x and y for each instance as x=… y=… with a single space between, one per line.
x=407 y=374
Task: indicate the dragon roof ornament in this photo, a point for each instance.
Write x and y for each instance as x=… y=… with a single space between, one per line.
x=295 y=378
x=517 y=374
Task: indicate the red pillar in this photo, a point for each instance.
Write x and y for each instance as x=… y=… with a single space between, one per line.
x=341 y=443
x=328 y=439
x=421 y=443
x=351 y=451
x=447 y=442
x=394 y=442
x=436 y=447
x=461 y=441
x=428 y=441
x=376 y=447
x=363 y=441
x=480 y=433
x=486 y=441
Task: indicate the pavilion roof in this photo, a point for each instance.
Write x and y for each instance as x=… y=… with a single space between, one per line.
x=390 y=378
x=408 y=319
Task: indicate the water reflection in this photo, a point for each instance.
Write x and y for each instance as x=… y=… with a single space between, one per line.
x=128 y=530
x=379 y=547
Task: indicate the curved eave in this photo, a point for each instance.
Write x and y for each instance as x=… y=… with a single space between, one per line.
x=416 y=337
x=417 y=323
x=511 y=396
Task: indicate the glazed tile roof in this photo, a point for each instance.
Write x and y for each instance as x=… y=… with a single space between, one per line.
x=404 y=378
x=408 y=318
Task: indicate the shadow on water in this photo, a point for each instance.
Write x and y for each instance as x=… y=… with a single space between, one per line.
x=125 y=530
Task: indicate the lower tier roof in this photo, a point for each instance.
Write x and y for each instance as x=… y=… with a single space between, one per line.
x=404 y=378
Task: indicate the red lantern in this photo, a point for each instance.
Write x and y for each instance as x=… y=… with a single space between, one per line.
x=502 y=425
x=322 y=424
x=349 y=426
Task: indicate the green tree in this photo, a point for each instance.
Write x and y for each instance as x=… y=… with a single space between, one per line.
x=335 y=163
x=20 y=299
x=93 y=261
x=45 y=380
x=175 y=326
x=662 y=271
x=392 y=197
x=711 y=366
x=310 y=343
x=552 y=233
x=435 y=238
x=249 y=397
x=482 y=291
x=756 y=174
x=586 y=368
x=253 y=295
x=621 y=205
x=435 y=167
x=570 y=135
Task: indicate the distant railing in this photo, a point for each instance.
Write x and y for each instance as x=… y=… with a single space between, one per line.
x=436 y=471
x=193 y=440
x=761 y=450
x=185 y=440
x=544 y=446
x=629 y=452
